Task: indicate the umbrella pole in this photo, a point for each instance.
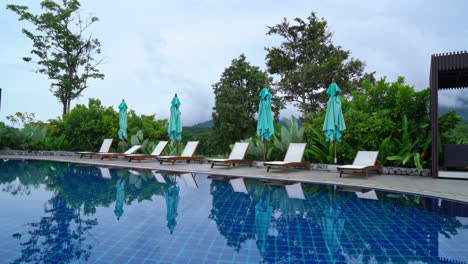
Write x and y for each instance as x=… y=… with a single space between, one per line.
x=176 y=147
x=264 y=150
x=334 y=146
x=123 y=150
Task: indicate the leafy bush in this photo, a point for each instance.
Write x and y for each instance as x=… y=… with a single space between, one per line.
x=277 y=147
x=390 y=117
x=86 y=126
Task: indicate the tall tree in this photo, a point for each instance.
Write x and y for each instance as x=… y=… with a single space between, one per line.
x=307 y=61
x=64 y=53
x=236 y=102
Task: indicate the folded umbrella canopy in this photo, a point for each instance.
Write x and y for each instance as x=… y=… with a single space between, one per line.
x=123 y=122
x=265 y=127
x=334 y=124
x=175 y=128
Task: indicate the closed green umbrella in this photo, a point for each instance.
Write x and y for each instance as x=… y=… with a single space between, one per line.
x=334 y=124
x=175 y=128
x=265 y=127
x=123 y=122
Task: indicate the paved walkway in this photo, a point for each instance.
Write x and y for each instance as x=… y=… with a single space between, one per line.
x=444 y=188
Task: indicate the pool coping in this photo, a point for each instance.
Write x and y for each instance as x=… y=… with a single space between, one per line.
x=448 y=189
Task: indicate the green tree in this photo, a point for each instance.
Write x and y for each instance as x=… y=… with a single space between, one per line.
x=236 y=102
x=64 y=53
x=307 y=61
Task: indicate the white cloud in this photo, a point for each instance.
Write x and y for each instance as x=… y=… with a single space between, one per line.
x=153 y=49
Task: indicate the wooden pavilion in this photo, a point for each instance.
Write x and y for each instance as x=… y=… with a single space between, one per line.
x=448 y=71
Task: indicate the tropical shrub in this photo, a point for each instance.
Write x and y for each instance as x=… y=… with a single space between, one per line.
x=86 y=126
x=412 y=149
x=276 y=149
x=392 y=118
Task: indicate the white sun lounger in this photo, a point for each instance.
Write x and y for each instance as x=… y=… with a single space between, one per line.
x=113 y=155
x=362 y=164
x=186 y=155
x=158 y=150
x=105 y=147
x=293 y=158
x=237 y=156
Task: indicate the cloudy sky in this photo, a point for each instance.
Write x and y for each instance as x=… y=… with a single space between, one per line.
x=153 y=48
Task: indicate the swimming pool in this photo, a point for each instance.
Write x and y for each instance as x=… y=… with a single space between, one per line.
x=64 y=213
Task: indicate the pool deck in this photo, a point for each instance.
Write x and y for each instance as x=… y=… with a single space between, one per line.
x=444 y=188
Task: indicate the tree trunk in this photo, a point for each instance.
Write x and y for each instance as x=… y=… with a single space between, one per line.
x=68 y=105
x=64 y=107
x=304 y=108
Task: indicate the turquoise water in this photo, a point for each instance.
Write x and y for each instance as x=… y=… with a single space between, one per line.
x=64 y=213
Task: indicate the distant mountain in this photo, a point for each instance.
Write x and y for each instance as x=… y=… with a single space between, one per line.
x=463 y=112
x=208 y=123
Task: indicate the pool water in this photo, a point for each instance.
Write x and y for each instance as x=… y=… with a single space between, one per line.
x=64 y=213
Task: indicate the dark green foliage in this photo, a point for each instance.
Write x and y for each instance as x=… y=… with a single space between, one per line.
x=459 y=134
x=276 y=149
x=85 y=127
x=412 y=147
x=28 y=138
x=307 y=61
x=63 y=51
x=236 y=102
x=392 y=118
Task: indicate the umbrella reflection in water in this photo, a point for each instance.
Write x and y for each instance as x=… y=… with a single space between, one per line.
x=263 y=212
x=172 y=202
x=120 y=197
x=332 y=225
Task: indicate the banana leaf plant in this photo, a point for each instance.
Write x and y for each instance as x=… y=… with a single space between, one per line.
x=412 y=151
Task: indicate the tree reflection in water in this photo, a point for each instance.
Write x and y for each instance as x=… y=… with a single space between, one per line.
x=58 y=236
x=393 y=229
x=63 y=234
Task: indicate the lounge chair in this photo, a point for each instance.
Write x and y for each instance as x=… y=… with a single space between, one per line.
x=237 y=156
x=293 y=158
x=114 y=155
x=186 y=155
x=158 y=150
x=105 y=147
x=362 y=164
